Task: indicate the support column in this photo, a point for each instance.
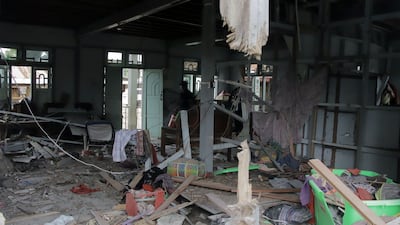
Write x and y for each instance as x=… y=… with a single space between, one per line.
x=366 y=28
x=207 y=91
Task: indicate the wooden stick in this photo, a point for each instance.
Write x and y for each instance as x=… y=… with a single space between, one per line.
x=99 y=219
x=244 y=187
x=159 y=214
x=172 y=158
x=117 y=185
x=364 y=211
x=185 y=134
x=205 y=184
x=31 y=217
x=175 y=194
x=218 y=202
x=288 y=198
x=136 y=179
x=274 y=190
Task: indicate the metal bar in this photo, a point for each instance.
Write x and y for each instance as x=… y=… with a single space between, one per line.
x=222 y=109
x=41 y=118
x=137 y=11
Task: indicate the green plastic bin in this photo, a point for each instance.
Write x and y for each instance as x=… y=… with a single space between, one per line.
x=323 y=215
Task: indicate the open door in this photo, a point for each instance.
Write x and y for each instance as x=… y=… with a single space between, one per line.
x=42 y=87
x=113 y=96
x=153 y=102
x=4 y=88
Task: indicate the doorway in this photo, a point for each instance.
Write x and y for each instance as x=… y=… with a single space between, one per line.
x=132 y=86
x=21 y=84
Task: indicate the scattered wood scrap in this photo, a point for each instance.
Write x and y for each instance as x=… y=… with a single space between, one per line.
x=98 y=218
x=136 y=180
x=117 y=185
x=364 y=211
x=176 y=193
x=30 y=217
x=206 y=184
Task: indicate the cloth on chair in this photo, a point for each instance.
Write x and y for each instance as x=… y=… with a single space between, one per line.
x=122 y=137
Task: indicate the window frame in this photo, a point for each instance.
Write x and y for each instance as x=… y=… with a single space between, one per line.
x=25 y=53
x=18 y=56
x=127 y=64
x=193 y=74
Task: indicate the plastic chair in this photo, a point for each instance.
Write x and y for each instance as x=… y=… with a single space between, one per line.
x=100 y=133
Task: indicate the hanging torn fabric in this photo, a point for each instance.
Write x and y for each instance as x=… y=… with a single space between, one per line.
x=248 y=20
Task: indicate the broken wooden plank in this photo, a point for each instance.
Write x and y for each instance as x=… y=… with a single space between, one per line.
x=53 y=154
x=41 y=150
x=158 y=214
x=30 y=217
x=356 y=202
x=246 y=211
x=136 y=180
x=206 y=184
x=176 y=193
x=185 y=134
x=119 y=207
x=244 y=187
x=201 y=202
x=98 y=218
x=237 y=143
x=218 y=202
x=172 y=158
x=117 y=185
x=220 y=146
x=274 y=190
x=282 y=197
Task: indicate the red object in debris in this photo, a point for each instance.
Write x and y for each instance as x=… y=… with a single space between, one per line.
x=83 y=189
x=364 y=194
x=148 y=187
x=159 y=198
x=354 y=172
x=131 y=206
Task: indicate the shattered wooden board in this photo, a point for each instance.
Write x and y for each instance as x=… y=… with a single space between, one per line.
x=198 y=194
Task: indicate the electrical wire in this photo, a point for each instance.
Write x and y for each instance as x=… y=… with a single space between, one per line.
x=61 y=149
x=54 y=142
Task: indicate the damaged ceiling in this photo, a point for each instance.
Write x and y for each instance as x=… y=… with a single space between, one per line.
x=171 y=19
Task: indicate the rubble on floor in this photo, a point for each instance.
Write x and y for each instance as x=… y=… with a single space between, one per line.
x=42 y=183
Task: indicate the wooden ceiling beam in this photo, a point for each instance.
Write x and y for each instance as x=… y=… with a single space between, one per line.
x=137 y=11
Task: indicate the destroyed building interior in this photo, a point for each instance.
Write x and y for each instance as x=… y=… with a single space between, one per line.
x=193 y=112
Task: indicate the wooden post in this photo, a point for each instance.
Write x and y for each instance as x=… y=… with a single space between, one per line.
x=246 y=211
x=185 y=134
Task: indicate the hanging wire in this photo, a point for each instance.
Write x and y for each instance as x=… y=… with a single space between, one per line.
x=52 y=140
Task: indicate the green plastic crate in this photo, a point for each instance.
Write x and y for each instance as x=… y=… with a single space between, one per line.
x=323 y=215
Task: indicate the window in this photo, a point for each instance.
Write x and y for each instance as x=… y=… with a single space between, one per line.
x=135 y=59
x=267 y=69
x=37 y=56
x=8 y=53
x=191 y=75
x=191 y=66
x=42 y=79
x=260 y=76
x=259 y=69
x=114 y=57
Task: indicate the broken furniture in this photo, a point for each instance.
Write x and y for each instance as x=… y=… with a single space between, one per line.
x=99 y=133
x=222 y=128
